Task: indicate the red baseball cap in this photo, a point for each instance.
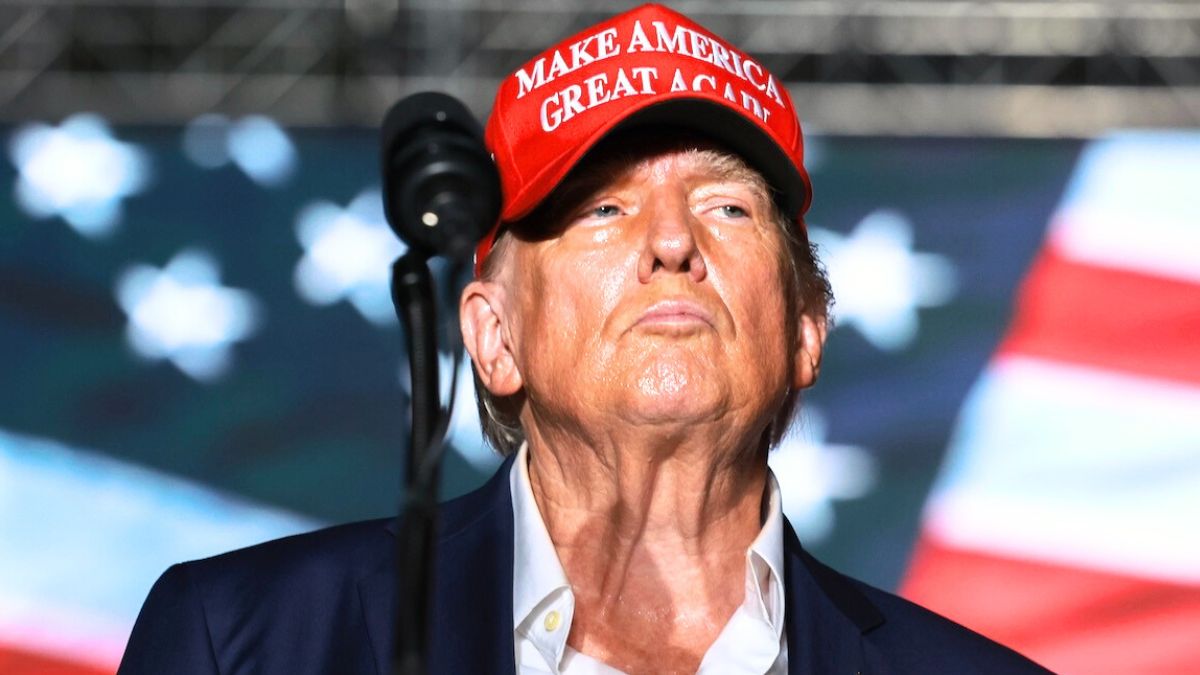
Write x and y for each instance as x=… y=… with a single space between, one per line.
x=650 y=65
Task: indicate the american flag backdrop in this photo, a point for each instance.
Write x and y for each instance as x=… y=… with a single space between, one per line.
x=198 y=353
x=1064 y=521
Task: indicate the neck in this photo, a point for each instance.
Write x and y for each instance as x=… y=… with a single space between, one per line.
x=640 y=494
x=652 y=534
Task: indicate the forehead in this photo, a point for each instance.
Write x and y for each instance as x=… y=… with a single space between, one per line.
x=620 y=158
x=632 y=153
x=641 y=156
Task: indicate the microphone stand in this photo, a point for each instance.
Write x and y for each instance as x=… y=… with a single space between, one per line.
x=413 y=297
x=441 y=195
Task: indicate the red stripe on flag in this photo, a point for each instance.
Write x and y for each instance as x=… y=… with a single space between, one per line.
x=14 y=661
x=1115 y=319
x=1068 y=619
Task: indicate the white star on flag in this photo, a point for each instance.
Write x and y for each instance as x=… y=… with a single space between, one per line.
x=181 y=313
x=879 y=281
x=348 y=254
x=77 y=170
x=256 y=144
x=813 y=473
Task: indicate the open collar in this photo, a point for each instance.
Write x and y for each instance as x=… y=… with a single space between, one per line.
x=472 y=627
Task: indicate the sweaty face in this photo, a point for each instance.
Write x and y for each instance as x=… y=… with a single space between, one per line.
x=659 y=300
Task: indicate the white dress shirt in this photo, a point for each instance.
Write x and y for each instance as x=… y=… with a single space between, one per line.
x=752 y=642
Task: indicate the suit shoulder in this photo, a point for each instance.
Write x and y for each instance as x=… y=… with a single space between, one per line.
x=346 y=552
x=224 y=613
x=339 y=552
x=924 y=641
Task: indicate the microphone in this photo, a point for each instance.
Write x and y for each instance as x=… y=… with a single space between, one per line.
x=441 y=194
x=441 y=190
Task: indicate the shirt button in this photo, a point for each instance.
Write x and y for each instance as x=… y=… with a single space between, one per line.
x=552 y=621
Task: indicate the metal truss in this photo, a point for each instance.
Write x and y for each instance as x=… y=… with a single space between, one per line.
x=930 y=67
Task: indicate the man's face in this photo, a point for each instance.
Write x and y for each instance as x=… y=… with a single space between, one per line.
x=659 y=300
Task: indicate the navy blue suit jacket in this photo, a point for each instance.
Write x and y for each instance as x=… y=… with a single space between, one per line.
x=322 y=603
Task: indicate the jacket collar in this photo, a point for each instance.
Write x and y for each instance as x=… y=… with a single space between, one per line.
x=827 y=615
x=472 y=630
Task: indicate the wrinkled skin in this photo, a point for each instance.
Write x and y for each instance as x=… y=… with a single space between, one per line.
x=652 y=343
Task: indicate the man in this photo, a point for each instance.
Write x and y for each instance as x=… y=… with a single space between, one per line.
x=643 y=320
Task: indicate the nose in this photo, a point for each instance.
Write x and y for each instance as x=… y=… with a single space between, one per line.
x=671 y=245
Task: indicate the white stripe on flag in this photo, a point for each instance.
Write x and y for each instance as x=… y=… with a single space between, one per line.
x=84 y=537
x=1134 y=204
x=1075 y=466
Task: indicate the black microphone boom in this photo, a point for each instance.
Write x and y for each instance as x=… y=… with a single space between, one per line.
x=441 y=191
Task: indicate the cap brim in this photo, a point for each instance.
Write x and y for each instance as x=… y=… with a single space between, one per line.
x=708 y=118
x=733 y=131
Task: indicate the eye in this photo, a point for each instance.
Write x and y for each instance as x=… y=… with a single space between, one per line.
x=733 y=211
x=605 y=211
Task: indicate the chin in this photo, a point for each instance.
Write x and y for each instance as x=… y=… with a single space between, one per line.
x=668 y=393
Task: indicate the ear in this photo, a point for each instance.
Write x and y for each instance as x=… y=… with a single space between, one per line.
x=480 y=312
x=810 y=346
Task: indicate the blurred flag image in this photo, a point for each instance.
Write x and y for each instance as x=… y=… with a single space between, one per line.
x=207 y=208
x=1042 y=338
x=1064 y=520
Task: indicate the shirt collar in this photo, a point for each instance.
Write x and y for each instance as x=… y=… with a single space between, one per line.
x=764 y=560
x=539 y=581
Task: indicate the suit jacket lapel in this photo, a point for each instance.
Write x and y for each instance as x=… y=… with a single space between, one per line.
x=472 y=626
x=826 y=615
x=472 y=629
x=472 y=593
x=377 y=593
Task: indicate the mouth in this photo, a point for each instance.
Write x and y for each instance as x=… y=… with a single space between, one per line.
x=675 y=316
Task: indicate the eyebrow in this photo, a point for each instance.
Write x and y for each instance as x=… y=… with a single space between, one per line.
x=725 y=166
x=612 y=163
